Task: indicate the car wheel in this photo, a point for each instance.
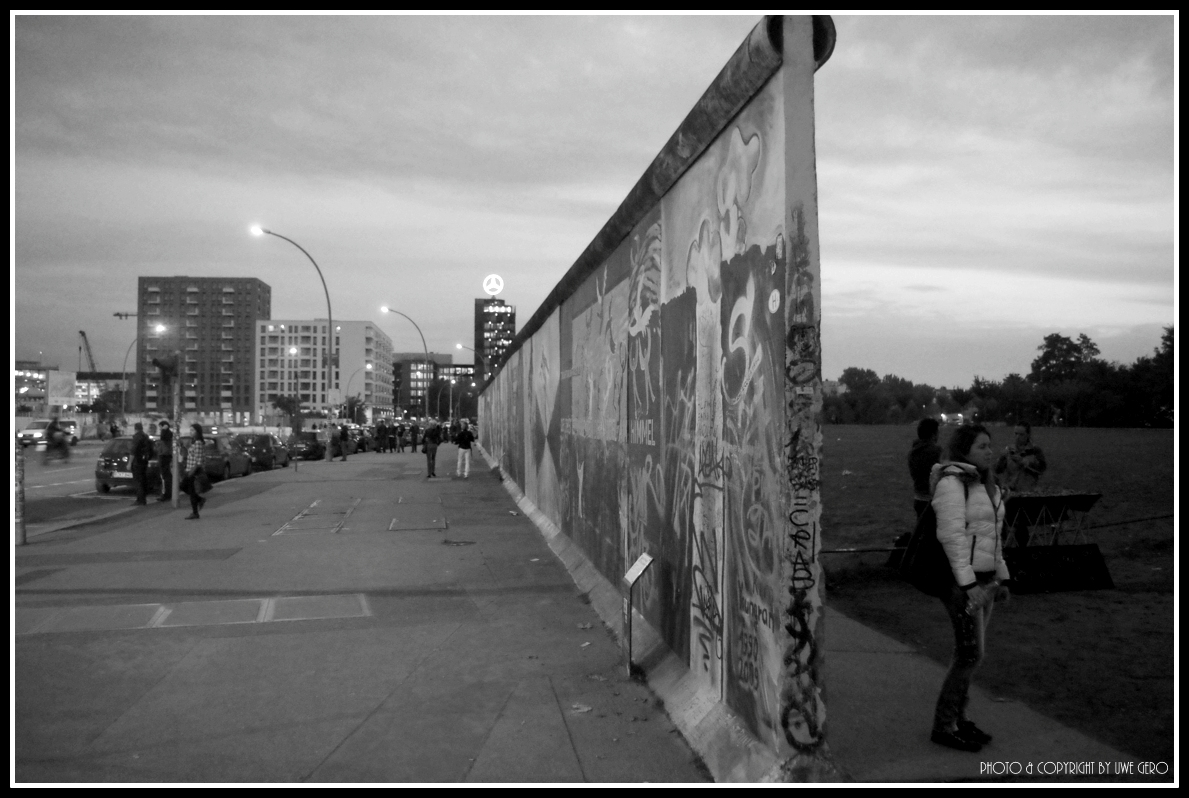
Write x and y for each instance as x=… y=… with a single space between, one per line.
x=227 y=471
x=102 y=487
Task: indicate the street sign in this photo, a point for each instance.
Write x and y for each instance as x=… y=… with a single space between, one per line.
x=493 y=284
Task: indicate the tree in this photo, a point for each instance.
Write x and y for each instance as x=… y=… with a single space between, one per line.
x=1061 y=358
x=354 y=409
x=290 y=406
x=859 y=380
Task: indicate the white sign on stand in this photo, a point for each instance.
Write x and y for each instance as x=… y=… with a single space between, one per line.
x=629 y=581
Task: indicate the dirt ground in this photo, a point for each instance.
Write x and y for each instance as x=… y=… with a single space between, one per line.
x=1100 y=661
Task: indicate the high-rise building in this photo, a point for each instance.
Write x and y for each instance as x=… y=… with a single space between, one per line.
x=495 y=327
x=209 y=321
x=290 y=360
x=414 y=378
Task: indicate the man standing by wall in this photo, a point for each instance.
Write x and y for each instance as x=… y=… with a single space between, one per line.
x=464 y=439
x=142 y=450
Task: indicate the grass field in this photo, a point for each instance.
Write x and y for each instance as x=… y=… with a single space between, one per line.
x=1100 y=660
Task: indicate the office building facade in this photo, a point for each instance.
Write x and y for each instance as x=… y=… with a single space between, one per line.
x=495 y=327
x=290 y=360
x=414 y=378
x=209 y=321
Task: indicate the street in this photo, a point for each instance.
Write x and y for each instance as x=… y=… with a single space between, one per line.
x=341 y=621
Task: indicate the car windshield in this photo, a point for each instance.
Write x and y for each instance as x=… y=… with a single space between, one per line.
x=38 y=425
x=117 y=447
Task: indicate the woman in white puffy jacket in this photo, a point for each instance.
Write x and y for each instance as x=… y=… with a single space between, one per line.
x=970 y=510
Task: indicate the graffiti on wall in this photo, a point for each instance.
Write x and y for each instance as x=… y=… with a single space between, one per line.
x=672 y=406
x=802 y=709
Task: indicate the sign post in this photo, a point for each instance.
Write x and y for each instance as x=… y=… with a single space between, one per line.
x=629 y=581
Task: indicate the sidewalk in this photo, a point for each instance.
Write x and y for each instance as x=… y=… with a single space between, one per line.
x=355 y=622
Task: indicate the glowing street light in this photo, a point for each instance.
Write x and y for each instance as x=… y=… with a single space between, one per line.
x=159 y=328
x=386 y=309
x=257 y=230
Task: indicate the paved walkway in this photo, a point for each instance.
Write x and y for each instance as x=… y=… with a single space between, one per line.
x=356 y=622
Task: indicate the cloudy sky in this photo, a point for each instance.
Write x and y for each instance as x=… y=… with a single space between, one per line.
x=983 y=181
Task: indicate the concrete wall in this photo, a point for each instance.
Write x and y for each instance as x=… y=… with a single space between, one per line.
x=666 y=398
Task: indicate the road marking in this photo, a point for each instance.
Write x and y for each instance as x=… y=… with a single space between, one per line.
x=57 y=484
x=320 y=516
x=40 y=620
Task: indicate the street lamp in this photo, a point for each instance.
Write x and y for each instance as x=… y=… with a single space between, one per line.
x=347 y=393
x=386 y=309
x=160 y=328
x=257 y=230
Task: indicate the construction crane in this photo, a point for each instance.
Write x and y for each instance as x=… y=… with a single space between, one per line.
x=119 y=315
x=87 y=346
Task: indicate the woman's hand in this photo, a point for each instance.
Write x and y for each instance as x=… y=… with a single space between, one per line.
x=980 y=596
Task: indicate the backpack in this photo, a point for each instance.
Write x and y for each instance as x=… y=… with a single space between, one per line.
x=925 y=564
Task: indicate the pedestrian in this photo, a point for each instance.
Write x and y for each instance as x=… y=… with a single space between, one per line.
x=381 y=437
x=142 y=450
x=400 y=437
x=925 y=454
x=115 y=431
x=165 y=461
x=1019 y=469
x=195 y=476
x=430 y=441
x=464 y=438
x=970 y=513
x=344 y=437
x=392 y=436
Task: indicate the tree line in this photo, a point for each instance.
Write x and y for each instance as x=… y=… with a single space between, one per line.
x=1069 y=385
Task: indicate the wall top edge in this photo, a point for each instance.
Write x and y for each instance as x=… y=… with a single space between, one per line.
x=755 y=61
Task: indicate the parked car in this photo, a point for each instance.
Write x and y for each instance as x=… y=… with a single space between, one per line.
x=114 y=468
x=265 y=451
x=224 y=458
x=306 y=446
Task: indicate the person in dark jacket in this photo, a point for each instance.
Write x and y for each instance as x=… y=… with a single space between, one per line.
x=165 y=461
x=142 y=450
x=430 y=441
x=925 y=454
x=381 y=437
x=344 y=437
x=1019 y=469
x=464 y=438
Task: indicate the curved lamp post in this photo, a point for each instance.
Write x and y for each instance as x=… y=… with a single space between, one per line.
x=347 y=393
x=386 y=309
x=257 y=230
x=160 y=328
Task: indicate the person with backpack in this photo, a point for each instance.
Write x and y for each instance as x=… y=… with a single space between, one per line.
x=969 y=510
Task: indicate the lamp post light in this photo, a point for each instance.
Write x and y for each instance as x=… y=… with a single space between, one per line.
x=257 y=230
x=386 y=309
x=347 y=393
x=160 y=328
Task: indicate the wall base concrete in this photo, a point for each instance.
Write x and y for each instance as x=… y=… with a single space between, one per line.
x=729 y=750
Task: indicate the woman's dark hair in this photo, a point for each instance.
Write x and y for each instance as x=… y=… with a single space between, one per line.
x=962 y=439
x=197 y=431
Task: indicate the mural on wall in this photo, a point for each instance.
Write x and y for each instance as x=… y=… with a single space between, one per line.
x=542 y=442
x=671 y=406
x=642 y=488
x=679 y=464
x=594 y=430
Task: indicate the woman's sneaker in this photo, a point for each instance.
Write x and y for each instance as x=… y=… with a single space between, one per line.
x=971 y=732
x=956 y=740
